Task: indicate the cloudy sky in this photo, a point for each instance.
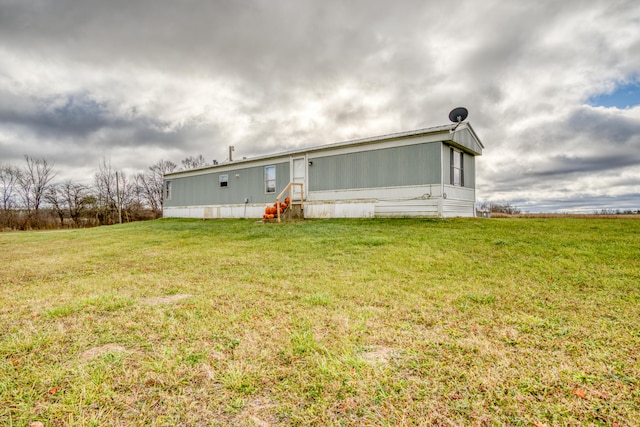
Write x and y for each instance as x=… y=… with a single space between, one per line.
x=553 y=87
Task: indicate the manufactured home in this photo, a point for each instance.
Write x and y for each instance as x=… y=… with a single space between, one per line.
x=426 y=173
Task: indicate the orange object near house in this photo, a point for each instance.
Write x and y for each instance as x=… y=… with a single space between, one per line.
x=271 y=212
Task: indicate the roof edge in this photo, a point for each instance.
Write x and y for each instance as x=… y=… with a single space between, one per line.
x=397 y=135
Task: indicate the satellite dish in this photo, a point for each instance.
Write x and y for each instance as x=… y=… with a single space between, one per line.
x=458 y=115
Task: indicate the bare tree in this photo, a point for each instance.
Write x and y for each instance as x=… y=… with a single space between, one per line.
x=116 y=195
x=54 y=196
x=105 y=193
x=505 y=208
x=193 y=162
x=150 y=184
x=129 y=197
x=33 y=182
x=9 y=176
x=77 y=198
x=69 y=200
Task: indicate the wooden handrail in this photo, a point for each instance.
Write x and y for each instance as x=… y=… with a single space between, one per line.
x=290 y=188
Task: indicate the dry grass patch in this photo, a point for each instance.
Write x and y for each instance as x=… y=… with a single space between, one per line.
x=168 y=299
x=380 y=354
x=259 y=413
x=94 y=352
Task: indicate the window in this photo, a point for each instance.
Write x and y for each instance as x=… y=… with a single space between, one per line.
x=167 y=190
x=224 y=180
x=457 y=167
x=270 y=179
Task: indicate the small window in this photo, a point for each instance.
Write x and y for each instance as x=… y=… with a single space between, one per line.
x=224 y=180
x=270 y=179
x=457 y=167
x=167 y=190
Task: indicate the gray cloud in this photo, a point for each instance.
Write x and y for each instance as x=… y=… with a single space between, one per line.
x=138 y=81
x=69 y=115
x=607 y=128
x=565 y=165
x=79 y=117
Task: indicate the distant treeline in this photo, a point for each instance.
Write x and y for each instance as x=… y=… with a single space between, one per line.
x=617 y=212
x=31 y=198
x=509 y=209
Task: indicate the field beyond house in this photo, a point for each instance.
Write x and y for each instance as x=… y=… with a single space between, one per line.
x=531 y=322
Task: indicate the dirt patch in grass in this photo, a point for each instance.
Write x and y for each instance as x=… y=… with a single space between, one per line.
x=380 y=354
x=168 y=299
x=94 y=352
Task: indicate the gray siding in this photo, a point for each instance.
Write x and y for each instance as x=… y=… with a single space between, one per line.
x=446 y=164
x=467 y=140
x=469 y=170
x=205 y=189
x=389 y=167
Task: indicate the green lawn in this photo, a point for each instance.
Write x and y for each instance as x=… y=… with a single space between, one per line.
x=339 y=322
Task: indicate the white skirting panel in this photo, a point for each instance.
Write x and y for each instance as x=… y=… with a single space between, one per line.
x=406 y=208
x=459 y=202
x=458 y=208
x=183 y=212
x=423 y=201
x=214 y=212
x=357 y=209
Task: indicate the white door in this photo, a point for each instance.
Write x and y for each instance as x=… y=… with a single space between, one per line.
x=299 y=174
